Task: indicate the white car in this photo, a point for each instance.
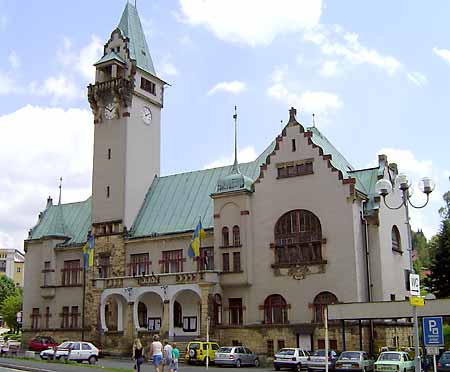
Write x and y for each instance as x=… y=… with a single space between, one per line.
x=73 y=350
x=292 y=358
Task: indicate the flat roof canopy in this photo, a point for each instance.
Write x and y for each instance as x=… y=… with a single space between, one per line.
x=386 y=310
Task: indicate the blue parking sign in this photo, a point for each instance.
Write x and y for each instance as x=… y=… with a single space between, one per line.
x=433 y=334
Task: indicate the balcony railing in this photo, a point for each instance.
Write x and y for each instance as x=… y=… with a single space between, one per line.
x=138 y=268
x=300 y=253
x=107 y=86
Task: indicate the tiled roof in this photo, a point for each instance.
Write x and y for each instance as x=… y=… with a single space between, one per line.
x=131 y=27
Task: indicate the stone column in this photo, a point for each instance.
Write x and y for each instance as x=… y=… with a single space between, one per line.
x=165 y=321
x=129 y=330
x=205 y=290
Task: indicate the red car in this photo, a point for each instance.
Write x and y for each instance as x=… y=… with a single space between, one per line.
x=42 y=343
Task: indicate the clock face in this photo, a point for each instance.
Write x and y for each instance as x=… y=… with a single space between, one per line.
x=146 y=115
x=109 y=111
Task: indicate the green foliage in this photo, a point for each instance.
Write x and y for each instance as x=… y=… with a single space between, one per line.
x=9 y=308
x=7 y=288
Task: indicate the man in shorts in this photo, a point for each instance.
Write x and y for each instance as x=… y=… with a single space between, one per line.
x=167 y=355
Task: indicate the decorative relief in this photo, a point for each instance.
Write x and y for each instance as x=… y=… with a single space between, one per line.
x=298 y=272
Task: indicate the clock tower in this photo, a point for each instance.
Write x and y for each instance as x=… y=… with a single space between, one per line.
x=126 y=99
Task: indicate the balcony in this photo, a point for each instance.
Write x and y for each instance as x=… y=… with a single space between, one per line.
x=298 y=254
x=118 y=84
x=48 y=291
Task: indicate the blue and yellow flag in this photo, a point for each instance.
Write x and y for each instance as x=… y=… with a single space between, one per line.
x=88 y=252
x=194 y=246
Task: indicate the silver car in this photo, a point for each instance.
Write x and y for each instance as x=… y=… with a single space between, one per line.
x=354 y=361
x=235 y=356
x=318 y=359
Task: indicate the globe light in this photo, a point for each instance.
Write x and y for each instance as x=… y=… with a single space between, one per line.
x=383 y=187
x=402 y=181
x=426 y=185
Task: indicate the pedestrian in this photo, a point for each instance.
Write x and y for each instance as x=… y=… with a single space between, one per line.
x=156 y=352
x=167 y=355
x=175 y=356
x=138 y=354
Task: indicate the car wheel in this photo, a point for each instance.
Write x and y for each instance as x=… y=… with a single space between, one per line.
x=256 y=363
x=92 y=359
x=238 y=363
x=298 y=368
x=192 y=353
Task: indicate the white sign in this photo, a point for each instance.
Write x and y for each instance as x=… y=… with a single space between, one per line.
x=433 y=350
x=414 y=284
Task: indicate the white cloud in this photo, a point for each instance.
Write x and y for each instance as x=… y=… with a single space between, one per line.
x=282 y=90
x=407 y=161
x=58 y=88
x=7 y=84
x=417 y=78
x=252 y=22
x=168 y=69
x=233 y=87
x=14 y=60
x=53 y=143
x=247 y=154
x=337 y=42
x=443 y=53
x=329 y=69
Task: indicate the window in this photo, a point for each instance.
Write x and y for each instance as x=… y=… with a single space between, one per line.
x=392 y=297
x=46 y=273
x=217 y=312
x=2 y=266
x=396 y=243
x=109 y=154
x=298 y=238
x=85 y=347
x=294 y=169
x=320 y=303
x=235 y=310
x=103 y=266
x=275 y=310
x=71 y=273
x=139 y=265
x=142 y=315
x=206 y=259
x=177 y=315
x=225 y=237
x=294 y=148
x=281 y=344
x=18 y=269
x=236 y=262
x=65 y=317
x=107 y=191
x=225 y=262
x=148 y=86
x=74 y=317
x=47 y=317
x=189 y=323
x=154 y=324
x=35 y=318
x=236 y=236
x=270 y=349
x=172 y=261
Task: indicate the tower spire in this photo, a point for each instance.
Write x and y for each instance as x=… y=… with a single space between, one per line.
x=235 y=168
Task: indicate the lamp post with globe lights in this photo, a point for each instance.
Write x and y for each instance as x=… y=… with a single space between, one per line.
x=384 y=187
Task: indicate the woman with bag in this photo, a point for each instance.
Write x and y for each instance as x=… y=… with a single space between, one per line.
x=138 y=354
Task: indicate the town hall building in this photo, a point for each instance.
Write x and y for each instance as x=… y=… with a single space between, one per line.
x=287 y=234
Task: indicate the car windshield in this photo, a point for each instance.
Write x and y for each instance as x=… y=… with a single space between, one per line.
x=350 y=355
x=390 y=356
x=321 y=353
x=286 y=352
x=194 y=346
x=225 y=350
x=65 y=345
x=446 y=356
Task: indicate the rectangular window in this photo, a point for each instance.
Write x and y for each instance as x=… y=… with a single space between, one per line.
x=235 y=310
x=172 y=261
x=103 y=267
x=281 y=344
x=65 y=323
x=18 y=269
x=2 y=266
x=148 y=86
x=270 y=349
x=236 y=262
x=225 y=262
x=47 y=270
x=107 y=191
x=71 y=273
x=47 y=316
x=35 y=318
x=206 y=259
x=294 y=147
x=294 y=170
x=189 y=323
x=109 y=154
x=154 y=324
x=139 y=264
x=74 y=317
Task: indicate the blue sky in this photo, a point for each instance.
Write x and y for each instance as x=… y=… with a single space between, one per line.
x=376 y=75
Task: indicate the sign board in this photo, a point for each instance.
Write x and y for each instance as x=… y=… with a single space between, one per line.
x=433 y=334
x=417 y=301
x=432 y=350
x=414 y=284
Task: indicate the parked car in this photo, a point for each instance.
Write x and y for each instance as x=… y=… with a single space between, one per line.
x=354 y=361
x=40 y=343
x=196 y=352
x=318 y=359
x=236 y=356
x=10 y=347
x=73 y=350
x=443 y=364
x=394 y=361
x=293 y=358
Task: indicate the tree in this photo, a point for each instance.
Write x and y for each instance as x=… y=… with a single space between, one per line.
x=7 y=288
x=9 y=309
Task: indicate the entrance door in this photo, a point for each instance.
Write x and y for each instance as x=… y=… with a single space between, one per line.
x=304 y=342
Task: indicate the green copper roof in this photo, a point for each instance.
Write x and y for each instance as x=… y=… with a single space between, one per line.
x=131 y=27
x=110 y=57
x=71 y=220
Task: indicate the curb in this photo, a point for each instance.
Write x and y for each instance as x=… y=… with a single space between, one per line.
x=24 y=368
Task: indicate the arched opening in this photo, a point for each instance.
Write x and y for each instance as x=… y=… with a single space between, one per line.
x=114 y=313
x=298 y=238
x=149 y=311
x=320 y=303
x=225 y=237
x=236 y=236
x=177 y=315
x=396 y=242
x=217 y=309
x=275 y=310
x=186 y=313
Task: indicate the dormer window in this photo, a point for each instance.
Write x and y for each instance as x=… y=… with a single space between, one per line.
x=148 y=86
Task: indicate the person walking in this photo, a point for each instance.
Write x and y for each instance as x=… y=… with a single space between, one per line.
x=138 y=354
x=175 y=356
x=167 y=355
x=156 y=349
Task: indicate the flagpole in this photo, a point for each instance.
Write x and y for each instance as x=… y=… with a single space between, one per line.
x=202 y=258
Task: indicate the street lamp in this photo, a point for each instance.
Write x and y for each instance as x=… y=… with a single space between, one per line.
x=384 y=187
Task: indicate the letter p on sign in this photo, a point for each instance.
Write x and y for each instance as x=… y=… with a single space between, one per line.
x=414 y=284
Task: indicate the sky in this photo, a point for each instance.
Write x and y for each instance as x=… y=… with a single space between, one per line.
x=375 y=74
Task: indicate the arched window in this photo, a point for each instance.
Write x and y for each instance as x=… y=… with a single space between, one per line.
x=275 y=310
x=225 y=237
x=142 y=315
x=298 y=238
x=320 y=302
x=396 y=243
x=236 y=236
x=217 y=309
x=177 y=315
